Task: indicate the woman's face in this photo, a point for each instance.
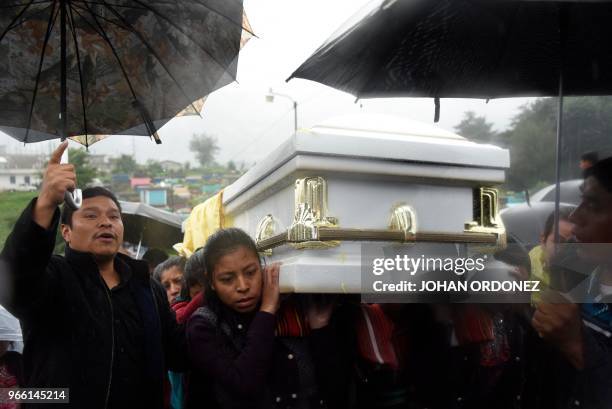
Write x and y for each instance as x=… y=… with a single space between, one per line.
x=237 y=280
x=172 y=280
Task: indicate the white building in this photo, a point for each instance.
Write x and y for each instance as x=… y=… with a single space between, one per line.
x=20 y=172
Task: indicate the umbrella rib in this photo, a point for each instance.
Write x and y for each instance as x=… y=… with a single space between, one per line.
x=9 y=27
x=41 y=11
x=176 y=26
x=50 y=25
x=78 y=57
x=111 y=4
x=26 y=4
x=149 y=9
x=94 y=28
x=143 y=112
x=179 y=29
x=226 y=17
x=150 y=48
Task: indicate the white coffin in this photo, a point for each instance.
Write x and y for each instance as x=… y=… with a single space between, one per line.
x=371 y=165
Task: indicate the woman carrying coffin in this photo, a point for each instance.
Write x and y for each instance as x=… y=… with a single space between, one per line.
x=237 y=360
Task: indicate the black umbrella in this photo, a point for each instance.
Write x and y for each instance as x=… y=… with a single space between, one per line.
x=151 y=227
x=470 y=49
x=95 y=67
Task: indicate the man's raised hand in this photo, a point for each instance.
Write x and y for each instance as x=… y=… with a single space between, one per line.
x=57 y=180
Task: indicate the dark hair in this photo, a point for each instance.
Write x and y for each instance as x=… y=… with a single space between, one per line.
x=195 y=271
x=219 y=244
x=591 y=156
x=564 y=214
x=174 y=261
x=154 y=257
x=602 y=171
x=88 y=193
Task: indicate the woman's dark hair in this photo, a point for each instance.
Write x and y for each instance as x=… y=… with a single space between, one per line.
x=219 y=244
x=88 y=193
x=154 y=257
x=174 y=261
x=602 y=171
x=564 y=214
x=195 y=271
x=591 y=156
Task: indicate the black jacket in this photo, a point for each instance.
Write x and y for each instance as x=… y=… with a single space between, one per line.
x=67 y=320
x=238 y=363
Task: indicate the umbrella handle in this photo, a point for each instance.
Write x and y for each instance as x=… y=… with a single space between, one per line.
x=74 y=199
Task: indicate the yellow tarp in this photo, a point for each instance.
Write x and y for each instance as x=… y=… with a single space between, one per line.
x=205 y=219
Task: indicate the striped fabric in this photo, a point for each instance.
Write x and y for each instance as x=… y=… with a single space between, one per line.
x=375 y=336
x=291 y=321
x=473 y=325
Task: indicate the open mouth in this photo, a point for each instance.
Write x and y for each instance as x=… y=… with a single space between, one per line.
x=106 y=236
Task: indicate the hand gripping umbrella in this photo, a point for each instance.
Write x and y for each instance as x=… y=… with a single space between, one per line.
x=471 y=49
x=90 y=68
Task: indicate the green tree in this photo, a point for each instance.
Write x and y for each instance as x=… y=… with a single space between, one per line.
x=531 y=138
x=80 y=159
x=205 y=148
x=231 y=166
x=153 y=168
x=476 y=128
x=125 y=164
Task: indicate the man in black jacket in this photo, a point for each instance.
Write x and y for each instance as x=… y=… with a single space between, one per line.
x=582 y=333
x=93 y=321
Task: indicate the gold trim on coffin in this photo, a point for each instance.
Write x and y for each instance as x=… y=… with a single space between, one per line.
x=313 y=228
x=266 y=228
x=310 y=215
x=486 y=215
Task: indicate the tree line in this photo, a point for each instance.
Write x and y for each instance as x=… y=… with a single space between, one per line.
x=531 y=138
x=204 y=147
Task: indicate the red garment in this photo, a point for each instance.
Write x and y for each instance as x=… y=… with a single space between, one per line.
x=375 y=336
x=473 y=325
x=290 y=320
x=184 y=309
x=8 y=380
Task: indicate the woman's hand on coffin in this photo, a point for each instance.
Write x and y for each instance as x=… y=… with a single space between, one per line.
x=319 y=310
x=271 y=293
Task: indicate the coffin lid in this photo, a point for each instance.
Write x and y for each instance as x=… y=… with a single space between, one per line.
x=376 y=137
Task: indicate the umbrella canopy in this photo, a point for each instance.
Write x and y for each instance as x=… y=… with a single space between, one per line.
x=150 y=226
x=469 y=49
x=120 y=67
x=10 y=330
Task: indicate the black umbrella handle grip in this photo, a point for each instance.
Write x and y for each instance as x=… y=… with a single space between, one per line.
x=74 y=199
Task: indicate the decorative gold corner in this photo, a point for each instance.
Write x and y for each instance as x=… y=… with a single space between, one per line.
x=486 y=215
x=403 y=218
x=266 y=228
x=310 y=214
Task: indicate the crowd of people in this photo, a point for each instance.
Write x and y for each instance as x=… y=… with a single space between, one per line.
x=213 y=330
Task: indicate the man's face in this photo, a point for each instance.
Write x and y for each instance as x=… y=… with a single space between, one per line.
x=548 y=243
x=585 y=164
x=97 y=228
x=593 y=220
